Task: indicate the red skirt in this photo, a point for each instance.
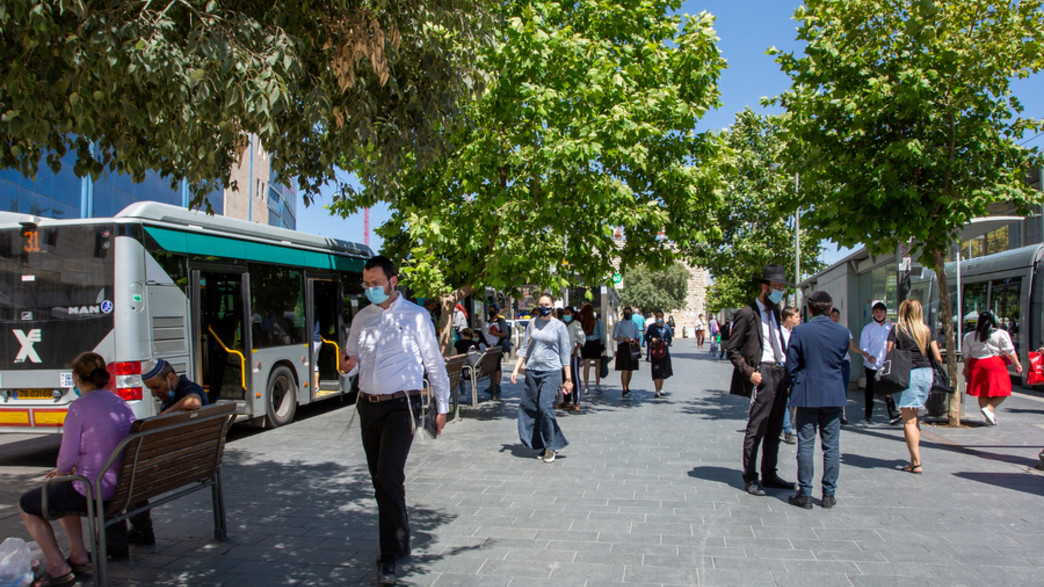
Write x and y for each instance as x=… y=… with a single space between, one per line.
x=988 y=377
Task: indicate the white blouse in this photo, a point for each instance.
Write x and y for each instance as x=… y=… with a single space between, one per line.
x=999 y=343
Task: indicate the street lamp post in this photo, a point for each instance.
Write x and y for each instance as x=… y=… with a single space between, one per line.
x=797 y=246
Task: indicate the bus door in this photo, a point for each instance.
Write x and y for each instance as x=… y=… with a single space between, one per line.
x=324 y=303
x=220 y=306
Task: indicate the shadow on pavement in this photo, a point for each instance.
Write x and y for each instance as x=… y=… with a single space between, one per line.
x=865 y=462
x=730 y=477
x=1032 y=484
x=293 y=522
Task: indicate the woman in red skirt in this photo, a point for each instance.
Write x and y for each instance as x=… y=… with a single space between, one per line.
x=985 y=370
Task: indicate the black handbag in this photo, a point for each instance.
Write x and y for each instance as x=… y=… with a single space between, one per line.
x=894 y=374
x=603 y=368
x=940 y=378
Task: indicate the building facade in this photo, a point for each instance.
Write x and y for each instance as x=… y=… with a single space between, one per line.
x=258 y=197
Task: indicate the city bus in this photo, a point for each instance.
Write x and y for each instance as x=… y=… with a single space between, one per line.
x=255 y=314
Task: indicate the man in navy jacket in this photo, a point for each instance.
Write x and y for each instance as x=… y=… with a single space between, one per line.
x=813 y=372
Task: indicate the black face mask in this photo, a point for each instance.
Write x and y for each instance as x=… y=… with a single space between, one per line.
x=627 y=316
x=881 y=321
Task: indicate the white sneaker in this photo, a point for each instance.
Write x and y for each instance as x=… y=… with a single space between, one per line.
x=988 y=414
x=549 y=456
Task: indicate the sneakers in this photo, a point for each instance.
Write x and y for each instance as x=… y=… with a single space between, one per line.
x=868 y=420
x=789 y=438
x=896 y=419
x=989 y=415
x=549 y=456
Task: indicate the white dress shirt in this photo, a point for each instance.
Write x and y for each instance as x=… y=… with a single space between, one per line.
x=769 y=328
x=394 y=348
x=873 y=340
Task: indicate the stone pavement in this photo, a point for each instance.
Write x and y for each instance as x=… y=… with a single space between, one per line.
x=648 y=493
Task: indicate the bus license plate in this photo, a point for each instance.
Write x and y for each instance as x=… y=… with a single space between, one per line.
x=35 y=394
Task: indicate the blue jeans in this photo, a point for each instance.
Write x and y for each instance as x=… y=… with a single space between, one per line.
x=828 y=422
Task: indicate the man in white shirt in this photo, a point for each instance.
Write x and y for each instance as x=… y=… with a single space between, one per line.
x=873 y=341
x=392 y=342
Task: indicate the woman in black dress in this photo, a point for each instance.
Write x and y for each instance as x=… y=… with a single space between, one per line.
x=659 y=337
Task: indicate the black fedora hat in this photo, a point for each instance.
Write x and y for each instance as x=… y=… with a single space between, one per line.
x=775 y=273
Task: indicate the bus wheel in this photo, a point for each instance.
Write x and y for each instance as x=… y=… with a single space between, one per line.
x=281 y=400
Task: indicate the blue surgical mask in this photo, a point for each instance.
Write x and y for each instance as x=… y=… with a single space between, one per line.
x=567 y=318
x=376 y=295
x=76 y=390
x=775 y=296
x=659 y=321
x=545 y=310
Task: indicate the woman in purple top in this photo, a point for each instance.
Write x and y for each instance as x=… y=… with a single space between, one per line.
x=94 y=425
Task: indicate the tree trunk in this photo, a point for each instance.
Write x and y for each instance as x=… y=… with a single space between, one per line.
x=953 y=411
x=447 y=303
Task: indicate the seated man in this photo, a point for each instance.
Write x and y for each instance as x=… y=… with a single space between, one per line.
x=176 y=393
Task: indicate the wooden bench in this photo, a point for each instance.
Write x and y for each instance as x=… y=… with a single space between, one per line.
x=164 y=458
x=487 y=365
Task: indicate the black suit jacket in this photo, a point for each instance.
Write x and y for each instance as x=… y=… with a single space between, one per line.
x=745 y=346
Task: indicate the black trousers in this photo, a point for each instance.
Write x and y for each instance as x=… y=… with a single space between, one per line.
x=386 y=438
x=764 y=424
x=871 y=380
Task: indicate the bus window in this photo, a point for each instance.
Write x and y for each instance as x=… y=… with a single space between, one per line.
x=974 y=301
x=1004 y=302
x=277 y=303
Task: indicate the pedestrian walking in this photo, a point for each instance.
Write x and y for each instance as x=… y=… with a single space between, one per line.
x=628 y=349
x=594 y=346
x=872 y=342
x=791 y=318
x=392 y=343
x=638 y=318
x=660 y=338
x=757 y=354
x=815 y=353
x=701 y=328
x=576 y=342
x=911 y=334
x=724 y=330
x=543 y=354
x=985 y=369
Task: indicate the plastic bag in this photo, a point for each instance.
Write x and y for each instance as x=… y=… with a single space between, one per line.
x=1035 y=373
x=16 y=564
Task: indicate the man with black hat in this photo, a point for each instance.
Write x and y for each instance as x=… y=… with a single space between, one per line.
x=872 y=342
x=757 y=352
x=815 y=353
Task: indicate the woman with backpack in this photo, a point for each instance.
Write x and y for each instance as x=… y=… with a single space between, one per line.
x=659 y=337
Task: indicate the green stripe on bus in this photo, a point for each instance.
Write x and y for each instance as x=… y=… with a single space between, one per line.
x=211 y=245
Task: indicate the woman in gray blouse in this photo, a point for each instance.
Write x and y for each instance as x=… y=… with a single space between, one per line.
x=543 y=353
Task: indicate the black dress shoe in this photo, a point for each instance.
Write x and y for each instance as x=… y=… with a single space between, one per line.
x=754 y=488
x=386 y=574
x=777 y=483
x=802 y=501
x=829 y=501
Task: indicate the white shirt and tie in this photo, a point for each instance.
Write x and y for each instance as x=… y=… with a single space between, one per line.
x=771 y=337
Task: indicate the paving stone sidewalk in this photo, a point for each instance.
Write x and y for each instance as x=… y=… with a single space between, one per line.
x=648 y=493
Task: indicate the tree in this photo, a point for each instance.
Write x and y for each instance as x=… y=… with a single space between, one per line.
x=174 y=86
x=756 y=226
x=652 y=289
x=586 y=124
x=903 y=122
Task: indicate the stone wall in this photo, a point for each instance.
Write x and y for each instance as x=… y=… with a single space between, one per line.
x=696 y=304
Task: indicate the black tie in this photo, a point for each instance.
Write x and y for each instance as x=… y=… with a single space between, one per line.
x=777 y=350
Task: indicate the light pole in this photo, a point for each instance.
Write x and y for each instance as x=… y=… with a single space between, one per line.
x=797 y=245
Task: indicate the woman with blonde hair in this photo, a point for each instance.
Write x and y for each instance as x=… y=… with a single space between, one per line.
x=912 y=334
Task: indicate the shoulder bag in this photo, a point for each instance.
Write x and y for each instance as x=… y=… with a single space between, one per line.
x=894 y=374
x=940 y=378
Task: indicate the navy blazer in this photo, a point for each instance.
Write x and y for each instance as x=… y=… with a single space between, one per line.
x=814 y=356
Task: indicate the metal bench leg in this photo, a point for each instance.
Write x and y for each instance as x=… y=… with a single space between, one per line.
x=220 y=529
x=474 y=390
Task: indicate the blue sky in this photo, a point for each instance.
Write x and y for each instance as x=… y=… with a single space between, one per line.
x=746 y=29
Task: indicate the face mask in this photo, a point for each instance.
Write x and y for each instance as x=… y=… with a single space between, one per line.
x=567 y=318
x=76 y=390
x=627 y=316
x=545 y=311
x=659 y=321
x=376 y=295
x=775 y=296
x=881 y=321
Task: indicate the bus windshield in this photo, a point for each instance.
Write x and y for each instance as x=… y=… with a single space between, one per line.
x=56 y=293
